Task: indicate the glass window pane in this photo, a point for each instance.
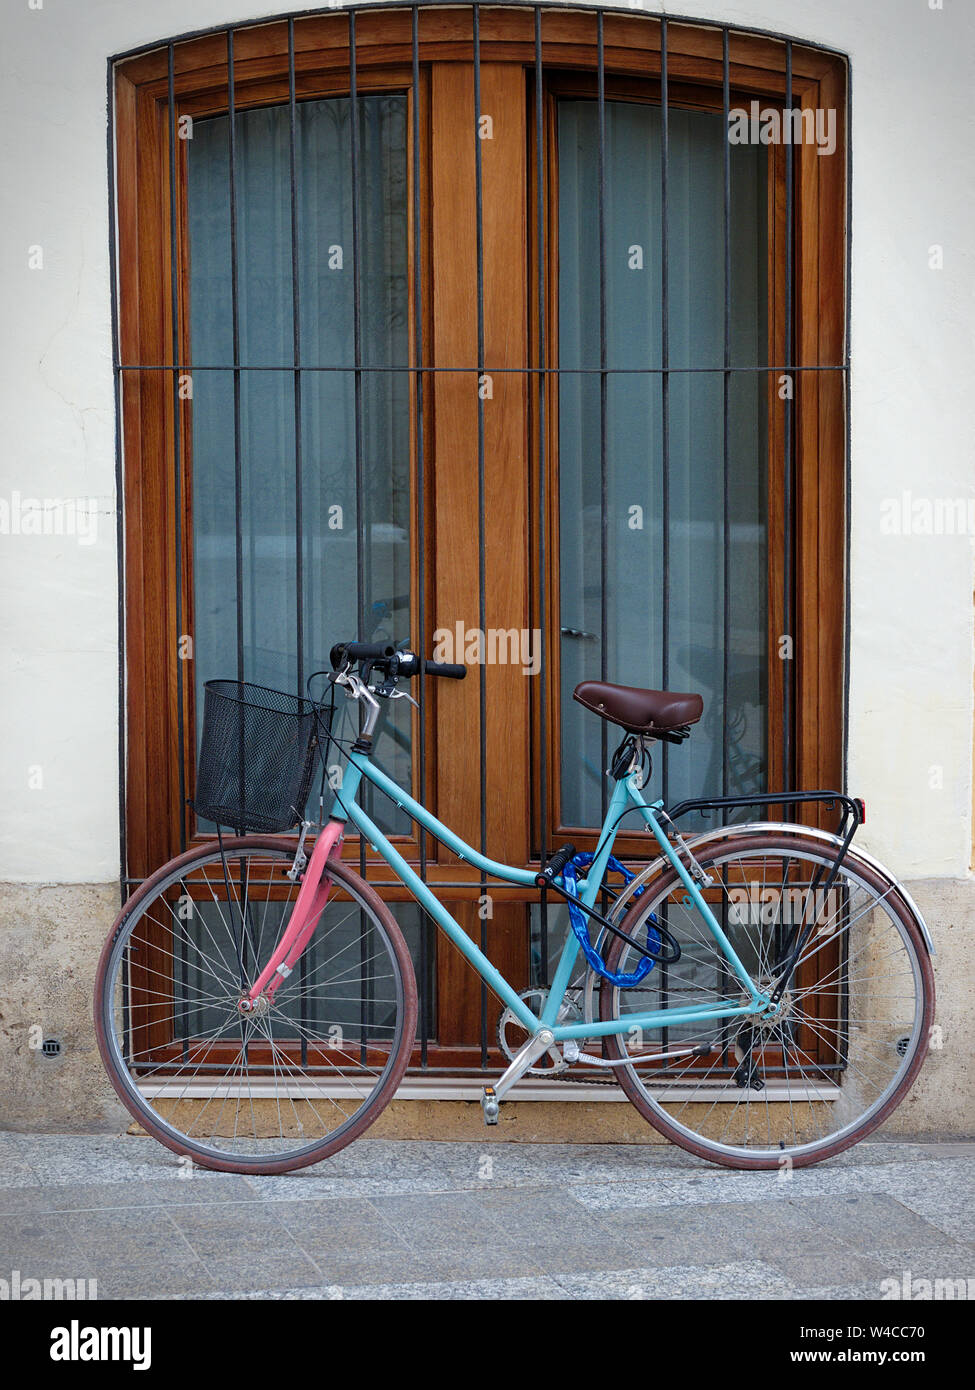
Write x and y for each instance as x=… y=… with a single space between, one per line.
x=625 y=573
x=334 y=538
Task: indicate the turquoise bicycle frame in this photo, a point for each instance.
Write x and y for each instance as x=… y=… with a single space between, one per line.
x=625 y=791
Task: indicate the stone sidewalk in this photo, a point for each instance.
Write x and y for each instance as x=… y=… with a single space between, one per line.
x=404 y=1220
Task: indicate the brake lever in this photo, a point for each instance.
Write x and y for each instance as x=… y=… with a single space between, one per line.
x=390 y=691
x=348 y=678
x=395 y=694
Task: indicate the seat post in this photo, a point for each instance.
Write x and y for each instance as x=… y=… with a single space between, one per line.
x=629 y=757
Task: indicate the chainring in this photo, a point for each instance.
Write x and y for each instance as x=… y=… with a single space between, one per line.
x=536 y=999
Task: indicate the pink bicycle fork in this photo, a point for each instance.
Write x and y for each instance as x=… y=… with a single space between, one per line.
x=308 y=908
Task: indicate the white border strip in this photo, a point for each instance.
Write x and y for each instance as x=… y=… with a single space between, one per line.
x=462 y=1088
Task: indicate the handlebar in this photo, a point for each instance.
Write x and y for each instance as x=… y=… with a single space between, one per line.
x=432 y=668
x=392 y=662
x=345 y=652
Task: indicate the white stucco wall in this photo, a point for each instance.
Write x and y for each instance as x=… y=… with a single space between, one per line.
x=913 y=418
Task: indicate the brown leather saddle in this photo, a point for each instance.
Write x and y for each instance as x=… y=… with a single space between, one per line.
x=646 y=712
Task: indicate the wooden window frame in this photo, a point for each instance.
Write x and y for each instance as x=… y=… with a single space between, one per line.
x=154 y=826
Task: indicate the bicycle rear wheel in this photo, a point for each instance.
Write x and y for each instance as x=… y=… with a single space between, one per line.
x=856 y=1014
x=278 y=1089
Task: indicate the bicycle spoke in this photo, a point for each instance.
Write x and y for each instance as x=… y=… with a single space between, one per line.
x=803 y=1079
x=268 y=1085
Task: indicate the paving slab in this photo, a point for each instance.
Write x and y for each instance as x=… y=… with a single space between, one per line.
x=402 y=1220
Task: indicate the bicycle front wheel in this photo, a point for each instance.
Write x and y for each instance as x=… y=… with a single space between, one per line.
x=278 y=1089
x=854 y=1018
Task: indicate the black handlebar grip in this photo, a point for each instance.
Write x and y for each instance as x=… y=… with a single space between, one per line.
x=345 y=652
x=555 y=866
x=445 y=668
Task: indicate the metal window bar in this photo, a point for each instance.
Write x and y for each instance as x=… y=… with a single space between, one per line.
x=304 y=1022
x=603 y=413
x=296 y=313
x=539 y=370
x=787 y=520
x=665 y=452
x=361 y=531
x=725 y=408
x=847 y=514
x=238 y=461
x=665 y=389
x=177 y=422
x=481 y=536
x=541 y=384
x=528 y=370
x=361 y=550
x=603 y=403
x=427 y=942
x=119 y=534
x=724 y=973
x=235 y=322
x=177 y=471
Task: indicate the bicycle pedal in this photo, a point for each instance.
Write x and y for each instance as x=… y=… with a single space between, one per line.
x=489 y=1105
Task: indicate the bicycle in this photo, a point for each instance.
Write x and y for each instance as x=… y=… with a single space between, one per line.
x=762 y=992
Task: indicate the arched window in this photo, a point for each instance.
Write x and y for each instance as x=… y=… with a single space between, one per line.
x=521 y=322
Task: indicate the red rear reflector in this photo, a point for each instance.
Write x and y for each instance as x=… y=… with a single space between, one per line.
x=863 y=809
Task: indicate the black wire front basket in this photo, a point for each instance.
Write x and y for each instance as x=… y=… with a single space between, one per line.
x=257 y=756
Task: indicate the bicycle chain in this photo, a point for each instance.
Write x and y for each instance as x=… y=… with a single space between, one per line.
x=589 y=1077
